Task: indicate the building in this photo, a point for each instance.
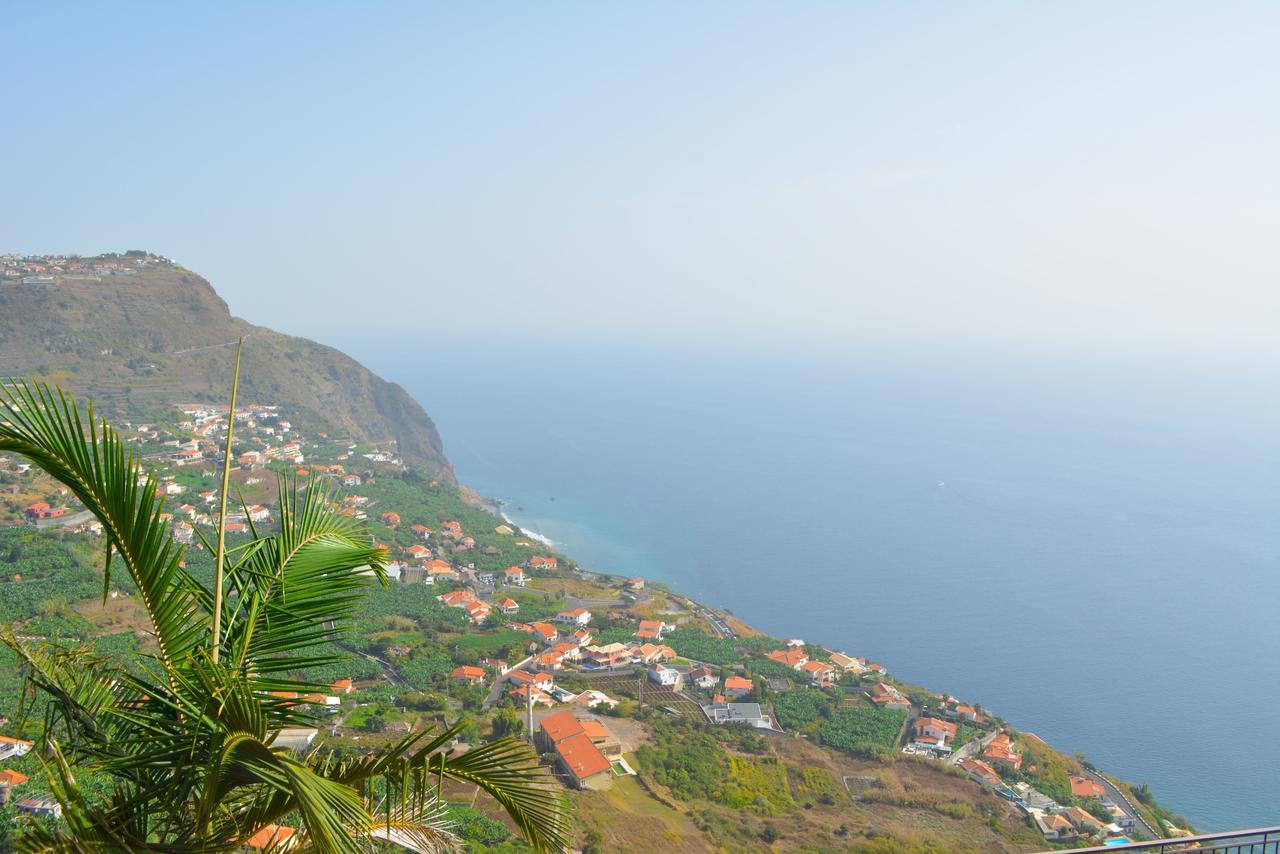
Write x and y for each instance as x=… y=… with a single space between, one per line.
x=888 y=697
x=666 y=676
x=1001 y=752
x=1084 y=821
x=848 y=663
x=12 y=748
x=576 y=752
x=276 y=837
x=982 y=773
x=1056 y=828
x=609 y=655
x=40 y=807
x=820 y=673
x=514 y=576
x=343 y=686
x=508 y=606
x=651 y=630
x=792 y=657
x=703 y=678
x=933 y=732
x=545 y=563
x=468 y=674
x=737 y=686
x=546 y=633
x=12 y=779
x=1083 y=787
x=635 y=585
x=738 y=713
x=575 y=617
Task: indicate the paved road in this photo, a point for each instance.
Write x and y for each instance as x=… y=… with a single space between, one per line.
x=1117 y=797
x=971 y=748
x=64 y=521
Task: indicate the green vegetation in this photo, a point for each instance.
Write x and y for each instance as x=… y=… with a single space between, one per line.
x=863 y=731
x=798 y=710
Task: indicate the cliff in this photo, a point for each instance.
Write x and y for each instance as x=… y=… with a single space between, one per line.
x=162 y=335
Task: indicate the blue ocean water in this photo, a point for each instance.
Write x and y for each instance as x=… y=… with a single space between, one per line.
x=1087 y=547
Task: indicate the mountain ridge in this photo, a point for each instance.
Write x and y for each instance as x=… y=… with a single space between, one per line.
x=146 y=336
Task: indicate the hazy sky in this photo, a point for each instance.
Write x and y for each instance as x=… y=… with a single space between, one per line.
x=1095 y=172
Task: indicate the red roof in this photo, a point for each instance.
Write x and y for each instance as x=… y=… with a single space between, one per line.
x=581 y=757
x=270 y=836
x=561 y=725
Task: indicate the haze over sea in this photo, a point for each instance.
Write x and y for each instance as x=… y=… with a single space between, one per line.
x=1087 y=547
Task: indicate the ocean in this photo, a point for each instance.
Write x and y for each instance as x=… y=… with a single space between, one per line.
x=1087 y=547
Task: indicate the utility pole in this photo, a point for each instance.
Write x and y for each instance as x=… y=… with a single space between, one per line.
x=529 y=711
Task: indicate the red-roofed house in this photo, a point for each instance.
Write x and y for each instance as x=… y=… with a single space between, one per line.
x=1001 y=752
x=277 y=837
x=1083 y=787
x=793 y=658
x=651 y=629
x=982 y=772
x=547 y=633
x=575 y=617
x=508 y=606
x=514 y=576
x=820 y=673
x=540 y=562
x=468 y=674
x=736 y=686
x=933 y=731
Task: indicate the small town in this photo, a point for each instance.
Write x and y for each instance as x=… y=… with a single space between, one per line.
x=483 y=623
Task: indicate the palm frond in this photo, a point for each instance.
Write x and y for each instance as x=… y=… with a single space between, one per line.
x=91 y=460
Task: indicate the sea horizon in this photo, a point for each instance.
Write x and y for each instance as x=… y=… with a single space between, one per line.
x=1064 y=549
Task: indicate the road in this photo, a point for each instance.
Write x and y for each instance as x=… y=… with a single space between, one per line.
x=971 y=748
x=208 y=347
x=495 y=690
x=64 y=521
x=1117 y=797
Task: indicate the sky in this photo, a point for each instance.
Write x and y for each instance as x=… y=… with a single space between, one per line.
x=1089 y=174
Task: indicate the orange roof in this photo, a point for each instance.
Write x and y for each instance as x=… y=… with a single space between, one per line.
x=545 y=629
x=595 y=729
x=467 y=672
x=581 y=757
x=561 y=725
x=271 y=835
x=732 y=683
x=4 y=739
x=816 y=666
x=13 y=778
x=514 y=570
x=790 y=657
x=1083 y=787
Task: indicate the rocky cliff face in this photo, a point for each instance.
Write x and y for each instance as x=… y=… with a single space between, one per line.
x=164 y=336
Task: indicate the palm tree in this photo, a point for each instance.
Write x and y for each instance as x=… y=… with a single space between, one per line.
x=187 y=736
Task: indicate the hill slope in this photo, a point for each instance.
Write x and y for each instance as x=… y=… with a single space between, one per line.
x=163 y=335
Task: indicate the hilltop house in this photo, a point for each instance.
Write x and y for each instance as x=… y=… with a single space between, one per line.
x=793 y=658
x=576 y=753
x=933 y=732
x=1083 y=787
x=540 y=562
x=1001 y=752
x=575 y=617
x=736 y=686
x=820 y=673
x=666 y=676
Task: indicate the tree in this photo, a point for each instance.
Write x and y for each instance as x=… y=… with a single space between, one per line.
x=507 y=722
x=187 y=737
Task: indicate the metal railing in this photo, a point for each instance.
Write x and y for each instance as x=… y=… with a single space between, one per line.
x=1262 y=840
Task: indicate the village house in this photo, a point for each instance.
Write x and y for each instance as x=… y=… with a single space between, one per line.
x=1083 y=787
x=982 y=773
x=514 y=576
x=469 y=675
x=848 y=663
x=737 y=686
x=651 y=630
x=820 y=673
x=795 y=658
x=575 y=617
x=43 y=510
x=478 y=611
x=508 y=606
x=933 y=732
x=391 y=519
x=422 y=531
x=888 y=697
x=610 y=655
x=12 y=748
x=1001 y=752
x=738 y=713
x=1056 y=828
x=42 y=807
x=343 y=686
x=544 y=563
x=1083 y=820
x=576 y=754
x=351 y=480
x=569 y=650
x=635 y=585
x=550 y=660
x=651 y=653
x=419 y=552
x=258 y=513
x=456 y=598
x=582 y=637
x=440 y=569
x=592 y=698
x=703 y=677
x=666 y=676
x=546 y=632
x=274 y=837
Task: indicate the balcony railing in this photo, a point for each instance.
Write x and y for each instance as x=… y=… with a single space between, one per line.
x=1263 y=840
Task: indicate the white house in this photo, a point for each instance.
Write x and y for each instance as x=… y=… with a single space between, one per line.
x=665 y=676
